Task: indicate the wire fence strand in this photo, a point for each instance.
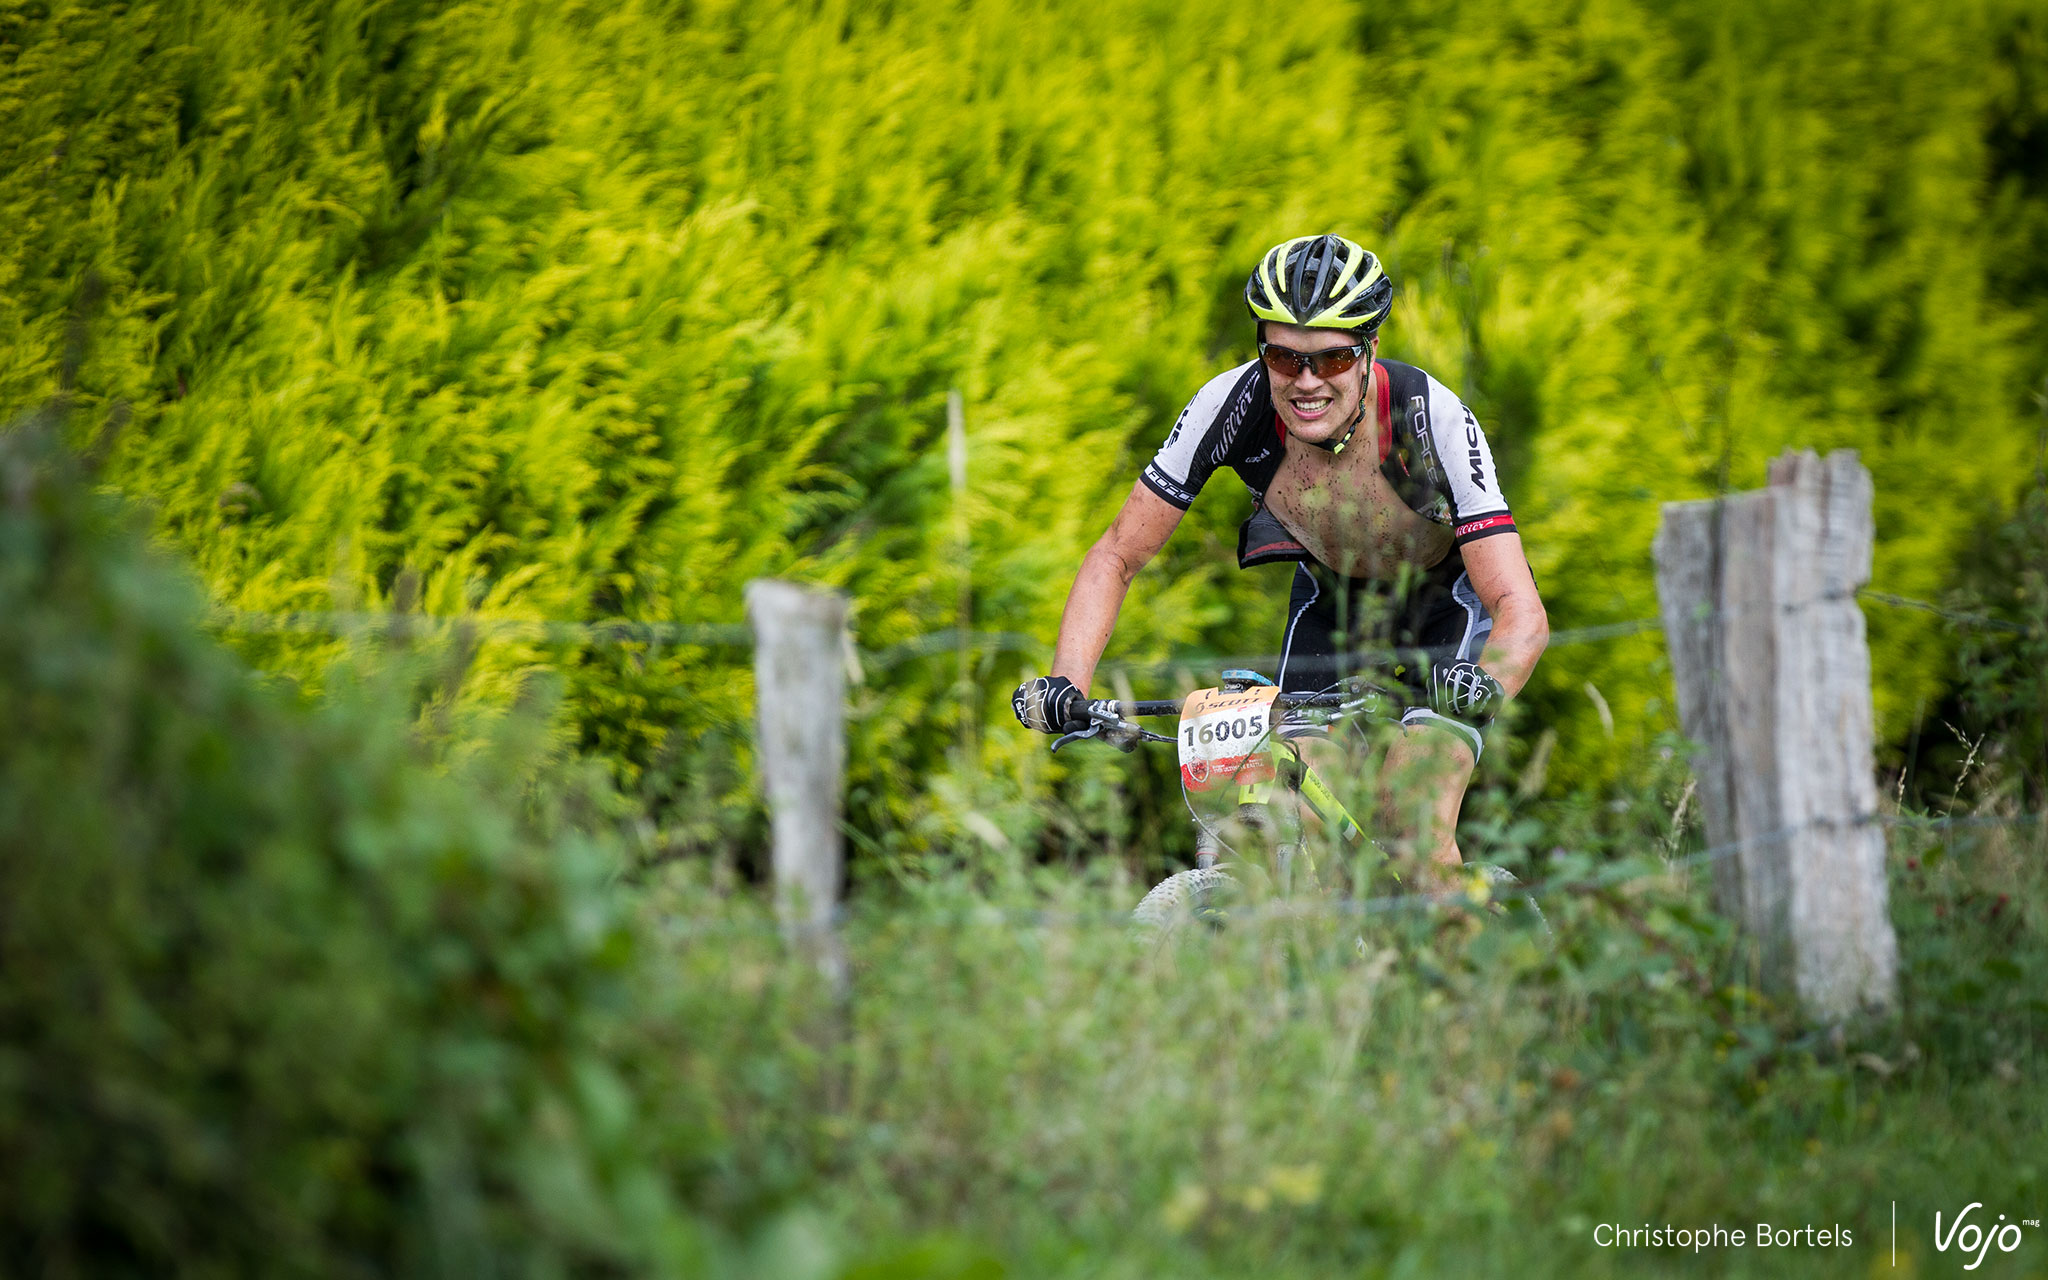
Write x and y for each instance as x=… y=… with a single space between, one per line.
x=412 y=626
x=947 y=641
x=1952 y=615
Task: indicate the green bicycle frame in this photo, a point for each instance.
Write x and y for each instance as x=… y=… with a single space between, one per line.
x=1317 y=793
x=1322 y=801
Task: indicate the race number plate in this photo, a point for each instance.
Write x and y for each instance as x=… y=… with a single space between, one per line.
x=1226 y=738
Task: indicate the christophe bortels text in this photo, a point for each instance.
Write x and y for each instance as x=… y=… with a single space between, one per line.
x=1612 y=1235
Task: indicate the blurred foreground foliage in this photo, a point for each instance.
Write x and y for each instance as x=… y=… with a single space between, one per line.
x=277 y=994
x=297 y=989
x=581 y=311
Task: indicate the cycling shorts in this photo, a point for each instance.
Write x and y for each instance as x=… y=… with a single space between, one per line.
x=1339 y=626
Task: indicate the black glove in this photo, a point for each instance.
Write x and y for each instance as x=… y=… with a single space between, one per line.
x=1465 y=692
x=1050 y=704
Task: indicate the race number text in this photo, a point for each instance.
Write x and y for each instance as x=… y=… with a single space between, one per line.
x=1226 y=738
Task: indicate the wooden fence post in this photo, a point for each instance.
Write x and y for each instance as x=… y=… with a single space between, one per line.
x=800 y=690
x=1758 y=593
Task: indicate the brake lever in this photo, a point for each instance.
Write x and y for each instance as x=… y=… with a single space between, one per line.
x=1113 y=729
x=1091 y=731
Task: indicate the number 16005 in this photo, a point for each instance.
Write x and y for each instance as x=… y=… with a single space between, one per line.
x=1241 y=728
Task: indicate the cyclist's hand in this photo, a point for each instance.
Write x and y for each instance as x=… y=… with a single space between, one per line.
x=1049 y=704
x=1463 y=691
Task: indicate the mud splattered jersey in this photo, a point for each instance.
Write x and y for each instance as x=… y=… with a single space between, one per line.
x=1436 y=457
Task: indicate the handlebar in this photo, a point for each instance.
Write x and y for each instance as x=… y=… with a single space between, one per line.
x=1171 y=706
x=1111 y=726
x=1111 y=722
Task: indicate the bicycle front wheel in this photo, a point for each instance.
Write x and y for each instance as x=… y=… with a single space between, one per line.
x=1511 y=902
x=1200 y=895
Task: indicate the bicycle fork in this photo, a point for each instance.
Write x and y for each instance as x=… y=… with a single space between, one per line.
x=1278 y=826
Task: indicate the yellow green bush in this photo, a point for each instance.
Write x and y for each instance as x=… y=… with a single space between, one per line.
x=584 y=311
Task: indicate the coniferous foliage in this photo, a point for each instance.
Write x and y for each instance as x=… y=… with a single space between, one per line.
x=580 y=311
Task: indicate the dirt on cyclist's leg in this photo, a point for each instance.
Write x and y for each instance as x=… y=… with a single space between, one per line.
x=1421 y=789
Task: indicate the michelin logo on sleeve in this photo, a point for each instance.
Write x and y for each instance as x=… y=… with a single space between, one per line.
x=1472 y=445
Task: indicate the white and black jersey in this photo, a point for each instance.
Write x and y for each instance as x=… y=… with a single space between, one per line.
x=1437 y=460
x=1435 y=457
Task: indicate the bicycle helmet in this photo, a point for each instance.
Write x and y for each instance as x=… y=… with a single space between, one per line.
x=1320 y=282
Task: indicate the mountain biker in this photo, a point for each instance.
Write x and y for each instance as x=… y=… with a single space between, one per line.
x=1377 y=483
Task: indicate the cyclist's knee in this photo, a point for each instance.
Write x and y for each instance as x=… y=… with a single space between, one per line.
x=1427 y=759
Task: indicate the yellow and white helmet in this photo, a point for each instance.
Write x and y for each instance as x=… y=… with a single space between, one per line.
x=1320 y=282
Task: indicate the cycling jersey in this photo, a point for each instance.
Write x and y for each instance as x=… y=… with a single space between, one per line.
x=1435 y=457
x=1437 y=461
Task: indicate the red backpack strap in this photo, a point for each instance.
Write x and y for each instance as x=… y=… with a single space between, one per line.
x=1386 y=408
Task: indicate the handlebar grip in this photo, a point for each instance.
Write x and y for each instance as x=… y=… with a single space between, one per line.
x=1111 y=707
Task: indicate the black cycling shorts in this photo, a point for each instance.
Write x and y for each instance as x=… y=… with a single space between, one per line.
x=1344 y=626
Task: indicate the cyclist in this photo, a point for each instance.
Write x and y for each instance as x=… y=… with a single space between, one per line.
x=1377 y=483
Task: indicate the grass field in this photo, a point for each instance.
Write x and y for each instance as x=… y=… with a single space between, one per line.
x=1394 y=1095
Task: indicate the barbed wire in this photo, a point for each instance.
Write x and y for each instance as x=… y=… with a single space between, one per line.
x=409 y=625
x=412 y=626
x=945 y=641
x=1933 y=822
x=1967 y=619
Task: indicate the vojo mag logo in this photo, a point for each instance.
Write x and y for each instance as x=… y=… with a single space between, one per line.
x=1973 y=1240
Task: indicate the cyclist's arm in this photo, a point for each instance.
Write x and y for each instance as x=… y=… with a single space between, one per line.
x=1133 y=538
x=1501 y=578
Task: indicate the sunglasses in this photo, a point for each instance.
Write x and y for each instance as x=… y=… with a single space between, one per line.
x=1289 y=363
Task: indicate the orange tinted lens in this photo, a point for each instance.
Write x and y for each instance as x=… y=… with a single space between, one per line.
x=1329 y=364
x=1286 y=363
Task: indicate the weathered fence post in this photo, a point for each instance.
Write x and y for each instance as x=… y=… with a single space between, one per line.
x=800 y=688
x=1758 y=593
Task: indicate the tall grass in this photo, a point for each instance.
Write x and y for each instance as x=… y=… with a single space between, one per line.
x=1384 y=1095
